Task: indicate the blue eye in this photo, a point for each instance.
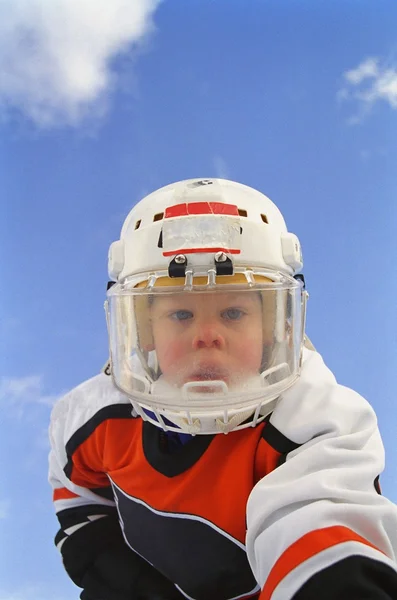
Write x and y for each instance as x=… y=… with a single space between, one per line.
x=232 y=314
x=181 y=315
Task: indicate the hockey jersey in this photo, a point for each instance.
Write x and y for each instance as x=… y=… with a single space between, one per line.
x=289 y=509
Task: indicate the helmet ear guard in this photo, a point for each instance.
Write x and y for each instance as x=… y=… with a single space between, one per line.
x=116 y=259
x=292 y=251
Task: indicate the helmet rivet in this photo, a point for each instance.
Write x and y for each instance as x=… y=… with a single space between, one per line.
x=180 y=259
x=220 y=257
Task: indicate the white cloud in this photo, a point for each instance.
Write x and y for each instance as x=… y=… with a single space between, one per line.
x=342 y=94
x=56 y=55
x=42 y=440
x=16 y=393
x=367 y=69
x=384 y=87
x=369 y=83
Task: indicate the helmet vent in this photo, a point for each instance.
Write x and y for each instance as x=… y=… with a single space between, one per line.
x=242 y=212
x=138 y=224
x=158 y=216
x=264 y=219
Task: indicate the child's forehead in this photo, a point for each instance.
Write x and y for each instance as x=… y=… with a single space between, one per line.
x=205 y=298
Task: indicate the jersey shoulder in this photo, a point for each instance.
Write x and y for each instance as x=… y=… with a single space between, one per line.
x=320 y=405
x=96 y=398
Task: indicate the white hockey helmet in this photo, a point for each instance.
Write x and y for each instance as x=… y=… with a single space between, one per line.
x=189 y=253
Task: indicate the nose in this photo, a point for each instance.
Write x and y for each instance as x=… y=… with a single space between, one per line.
x=208 y=335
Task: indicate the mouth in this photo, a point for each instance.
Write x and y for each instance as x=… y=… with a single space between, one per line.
x=208 y=373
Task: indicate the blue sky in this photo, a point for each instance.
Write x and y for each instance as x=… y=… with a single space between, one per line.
x=100 y=105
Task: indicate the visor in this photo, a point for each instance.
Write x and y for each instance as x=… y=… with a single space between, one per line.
x=210 y=354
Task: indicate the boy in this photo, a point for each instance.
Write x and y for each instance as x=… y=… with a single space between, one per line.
x=242 y=469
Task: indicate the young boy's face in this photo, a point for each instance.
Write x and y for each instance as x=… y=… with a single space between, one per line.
x=209 y=336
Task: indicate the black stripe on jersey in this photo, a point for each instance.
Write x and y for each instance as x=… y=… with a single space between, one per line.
x=114 y=411
x=59 y=537
x=105 y=492
x=200 y=558
x=179 y=461
x=276 y=439
x=353 y=578
x=71 y=516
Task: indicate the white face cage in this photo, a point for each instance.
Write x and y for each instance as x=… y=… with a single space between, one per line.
x=210 y=355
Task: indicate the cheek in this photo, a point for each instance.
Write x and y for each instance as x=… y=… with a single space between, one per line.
x=248 y=348
x=250 y=355
x=170 y=352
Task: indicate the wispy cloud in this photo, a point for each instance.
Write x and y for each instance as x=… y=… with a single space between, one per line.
x=377 y=152
x=368 y=83
x=57 y=56
x=42 y=440
x=18 y=392
x=367 y=69
x=221 y=168
x=4 y=509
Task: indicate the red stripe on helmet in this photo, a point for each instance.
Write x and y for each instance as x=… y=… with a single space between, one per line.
x=197 y=250
x=200 y=208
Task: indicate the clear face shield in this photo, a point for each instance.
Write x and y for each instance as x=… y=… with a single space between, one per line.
x=208 y=357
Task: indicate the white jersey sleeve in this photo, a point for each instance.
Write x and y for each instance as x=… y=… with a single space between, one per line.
x=82 y=496
x=78 y=410
x=320 y=506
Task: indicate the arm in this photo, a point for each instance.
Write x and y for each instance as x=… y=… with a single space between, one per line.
x=331 y=534
x=90 y=539
x=97 y=559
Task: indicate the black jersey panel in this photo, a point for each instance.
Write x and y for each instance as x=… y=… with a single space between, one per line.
x=204 y=561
